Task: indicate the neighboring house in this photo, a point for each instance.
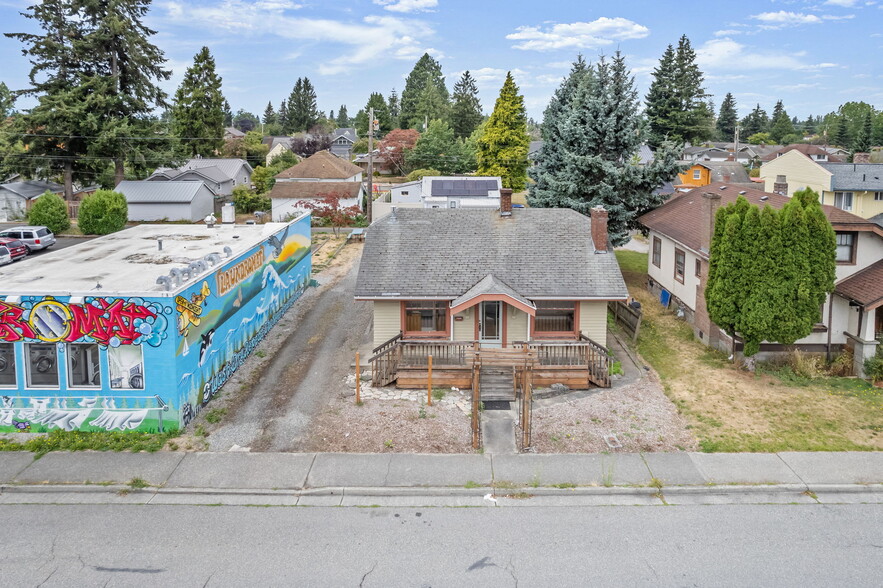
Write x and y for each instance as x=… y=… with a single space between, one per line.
x=703 y=173
x=407 y=193
x=680 y=236
x=219 y=175
x=276 y=147
x=473 y=279
x=317 y=176
x=233 y=133
x=461 y=192
x=381 y=165
x=17 y=197
x=342 y=141
x=750 y=155
x=814 y=152
x=853 y=187
x=533 y=151
x=168 y=201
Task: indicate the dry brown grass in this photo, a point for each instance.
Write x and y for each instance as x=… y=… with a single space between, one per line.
x=733 y=410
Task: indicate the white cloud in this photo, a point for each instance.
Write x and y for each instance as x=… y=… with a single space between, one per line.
x=843 y=3
x=728 y=55
x=727 y=33
x=577 y=35
x=490 y=75
x=782 y=18
x=407 y=5
x=375 y=37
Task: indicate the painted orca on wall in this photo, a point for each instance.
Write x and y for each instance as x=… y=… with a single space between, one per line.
x=205 y=344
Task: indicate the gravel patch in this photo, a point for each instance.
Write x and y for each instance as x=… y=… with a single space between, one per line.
x=639 y=415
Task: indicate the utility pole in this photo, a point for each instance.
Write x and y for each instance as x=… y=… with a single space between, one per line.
x=370 y=205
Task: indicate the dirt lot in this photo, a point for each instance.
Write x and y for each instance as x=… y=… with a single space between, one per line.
x=730 y=409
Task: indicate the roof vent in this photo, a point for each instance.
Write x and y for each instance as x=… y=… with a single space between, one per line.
x=742 y=193
x=764 y=198
x=722 y=188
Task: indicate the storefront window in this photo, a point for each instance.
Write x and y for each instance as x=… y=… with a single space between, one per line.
x=555 y=317
x=83 y=370
x=426 y=316
x=42 y=365
x=126 y=367
x=7 y=365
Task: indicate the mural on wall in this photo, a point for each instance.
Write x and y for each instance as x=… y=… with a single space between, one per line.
x=148 y=364
x=237 y=307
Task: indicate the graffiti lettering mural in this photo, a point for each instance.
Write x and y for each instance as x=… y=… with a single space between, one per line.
x=105 y=321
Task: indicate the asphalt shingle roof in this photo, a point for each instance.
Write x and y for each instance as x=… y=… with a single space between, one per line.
x=322 y=165
x=864 y=287
x=303 y=190
x=855 y=176
x=442 y=253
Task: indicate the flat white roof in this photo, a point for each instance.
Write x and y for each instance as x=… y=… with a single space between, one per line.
x=128 y=262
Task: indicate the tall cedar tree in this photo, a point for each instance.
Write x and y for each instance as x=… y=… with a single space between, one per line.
x=228 y=114
x=842 y=136
x=676 y=102
x=503 y=144
x=381 y=115
x=770 y=271
x=466 y=108
x=302 y=110
x=862 y=143
x=427 y=72
x=592 y=133
x=282 y=116
x=52 y=132
x=270 y=117
x=198 y=114
x=7 y=101
x=394 y=107
x=755 y=122
x=780 y=125
x=343 y=119
x=124 y=70
x=727 y=119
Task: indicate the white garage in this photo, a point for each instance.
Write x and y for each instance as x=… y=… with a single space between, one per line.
x=167 y=201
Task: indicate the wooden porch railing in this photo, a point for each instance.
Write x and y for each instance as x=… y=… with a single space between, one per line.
x=444 y=353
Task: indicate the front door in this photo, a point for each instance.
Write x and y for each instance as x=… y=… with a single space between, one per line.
x=490 y=326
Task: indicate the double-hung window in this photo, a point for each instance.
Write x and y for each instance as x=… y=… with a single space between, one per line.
x=843 y=201
x=680 y=265
x=845 y=247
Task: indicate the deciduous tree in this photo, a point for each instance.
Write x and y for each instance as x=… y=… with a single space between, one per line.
x=395 y=147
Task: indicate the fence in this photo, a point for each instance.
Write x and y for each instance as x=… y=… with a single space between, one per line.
x=626 y=317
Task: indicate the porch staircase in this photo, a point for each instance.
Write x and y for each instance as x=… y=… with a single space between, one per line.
x=496 y=370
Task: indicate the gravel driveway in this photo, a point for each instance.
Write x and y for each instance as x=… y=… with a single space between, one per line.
x=268 y=404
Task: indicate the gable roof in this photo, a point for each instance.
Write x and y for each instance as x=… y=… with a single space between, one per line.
x=680 y=217
x=347 y=133
x=29 y=189
x=855 y=176
x=144 y=192
x=541 y=253
x=309 y=190
x=460 y=186
x=322 y=165
x=805 y=148
x=492 y=286
x=731 y=172
x=233 y=132
x=864 y=287
x=224 y=169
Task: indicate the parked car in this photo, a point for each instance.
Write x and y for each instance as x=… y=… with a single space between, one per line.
x=16 y=248
x=5 y=255
x=34 y=238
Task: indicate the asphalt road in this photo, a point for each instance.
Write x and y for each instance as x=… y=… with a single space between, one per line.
x=60 y=243
x=115 y=545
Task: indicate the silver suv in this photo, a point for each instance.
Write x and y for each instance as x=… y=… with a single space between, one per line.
x=34 y=238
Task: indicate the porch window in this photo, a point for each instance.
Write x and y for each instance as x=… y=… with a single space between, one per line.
x=657 y=251
x=426 y=317
x=7 y=365
x=845 y=248
x=555 y=317
x=680 y=265
x=843 y=201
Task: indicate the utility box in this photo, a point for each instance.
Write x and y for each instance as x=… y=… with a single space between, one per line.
x=228 y=214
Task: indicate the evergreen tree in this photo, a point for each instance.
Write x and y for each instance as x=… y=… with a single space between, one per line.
x=592 y=131
x=270 y=117
x=228 y=114
x=862 y=143
x=198 y=113
x=427 y=72
x=361 y=123
x=842 y=137
x=394 y=108
x=381 y=114
x=878 y=130
x=343 y=119
x=756 y=122
x=431 y=105
x=302 y=110
x=781 y=125
x=762 y=306
x=438 y=149
x=727 y=119
x=502 y=147
x=7 y=101
x=662 y=99
x=466 y=108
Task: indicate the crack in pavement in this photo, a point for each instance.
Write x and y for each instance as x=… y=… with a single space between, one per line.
x=362 y=583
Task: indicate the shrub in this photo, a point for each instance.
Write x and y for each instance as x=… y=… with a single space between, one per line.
x=50 y=210
x=806 y=365
x=247 y=201
x=418 y=174
x=874 y=368
x=102 y=213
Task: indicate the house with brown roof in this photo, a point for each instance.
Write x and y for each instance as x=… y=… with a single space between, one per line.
x=318 y=177
x=680 y=238
x=814 y=152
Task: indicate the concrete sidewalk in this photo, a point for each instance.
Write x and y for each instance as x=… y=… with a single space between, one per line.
x=420 y=480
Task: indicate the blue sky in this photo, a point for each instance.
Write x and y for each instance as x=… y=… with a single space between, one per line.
x=814 y=55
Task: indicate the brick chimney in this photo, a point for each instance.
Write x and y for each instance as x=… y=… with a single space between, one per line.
x=506 y=202
x=599 y=229
x=861 y=158
x=711 y=201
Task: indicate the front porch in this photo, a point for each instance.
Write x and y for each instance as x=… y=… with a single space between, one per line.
x=410 y=363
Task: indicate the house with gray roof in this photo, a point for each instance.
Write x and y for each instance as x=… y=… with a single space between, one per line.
x=449 y=192
x=495 y=278
x=17 y=197
x=220 y=175
x=342 y=141
x=167 y=201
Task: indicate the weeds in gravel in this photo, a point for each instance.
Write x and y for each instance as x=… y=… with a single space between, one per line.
x=215 y=415
x=200 y=431
x=388 y=444
x=505 y=485
x=261 y=353
x=421 y=413
x=137 y=483
x=438 y=394
x=58 y=440
x=535 y=481
x=607 y=468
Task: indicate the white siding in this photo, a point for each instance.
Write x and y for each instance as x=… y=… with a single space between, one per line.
x=516 y=327
x=387 y=321
x=161 y=211
x=593 y=321
x=664 y=275
x=283 y=207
